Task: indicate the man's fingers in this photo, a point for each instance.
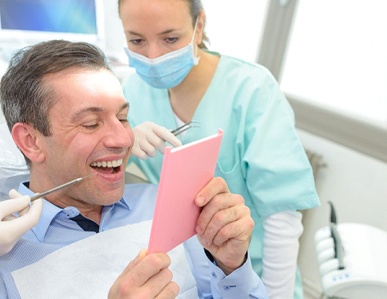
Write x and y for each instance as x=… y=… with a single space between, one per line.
x=218 y=226
x=219 y=222
x=159 y=284
x=152 y=264
x=171 y=290
x=239 y=229
x=147 y=276
x=216 y=186
x=144 y=267
x=219 y=210
x=135 y=262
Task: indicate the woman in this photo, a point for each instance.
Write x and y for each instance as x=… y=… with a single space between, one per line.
x=178 y=80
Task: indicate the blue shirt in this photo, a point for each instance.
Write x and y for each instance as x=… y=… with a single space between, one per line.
x=56 y=230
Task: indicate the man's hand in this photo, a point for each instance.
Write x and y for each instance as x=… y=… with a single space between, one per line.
x=224 y=226
x=13 y=228
x=150 y=138
x=147 y=276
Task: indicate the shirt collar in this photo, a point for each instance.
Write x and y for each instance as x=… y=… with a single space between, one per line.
x=123 y=202
x=50 y=211
x=48 y=214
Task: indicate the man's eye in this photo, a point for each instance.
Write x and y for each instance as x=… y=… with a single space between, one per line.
x=91 y=126
x=123 y=120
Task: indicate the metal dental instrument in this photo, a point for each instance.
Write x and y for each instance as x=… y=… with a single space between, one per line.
x=339 y=250
x=42 y=194
x=185 y=127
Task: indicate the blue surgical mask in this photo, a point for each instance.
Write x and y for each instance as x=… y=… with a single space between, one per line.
x=166 y=71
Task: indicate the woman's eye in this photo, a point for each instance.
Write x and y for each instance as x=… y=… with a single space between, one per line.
x=135 y=41
x=171 y=40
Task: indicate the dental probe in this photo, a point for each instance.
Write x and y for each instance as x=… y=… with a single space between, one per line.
x=42 y=194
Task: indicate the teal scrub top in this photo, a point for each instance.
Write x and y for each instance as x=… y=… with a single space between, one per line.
x=261 y=156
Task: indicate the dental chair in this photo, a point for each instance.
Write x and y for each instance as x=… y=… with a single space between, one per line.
x=352 y=260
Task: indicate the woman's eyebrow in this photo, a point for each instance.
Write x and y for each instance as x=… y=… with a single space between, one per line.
x=131 y=32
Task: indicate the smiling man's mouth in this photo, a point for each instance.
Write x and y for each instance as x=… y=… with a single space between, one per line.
x=107 y=167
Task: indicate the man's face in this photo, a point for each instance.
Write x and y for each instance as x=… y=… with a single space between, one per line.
x=90 y=133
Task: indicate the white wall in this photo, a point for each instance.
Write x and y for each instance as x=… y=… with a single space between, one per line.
x=355 y=183
x=229 y=26
x=114 y=36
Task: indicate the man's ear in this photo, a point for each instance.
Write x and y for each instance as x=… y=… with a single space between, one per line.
x=27 y=140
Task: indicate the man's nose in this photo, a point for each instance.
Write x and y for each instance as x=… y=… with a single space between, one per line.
x=118 y=135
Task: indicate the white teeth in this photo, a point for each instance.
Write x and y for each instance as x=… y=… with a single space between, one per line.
x=114 y=163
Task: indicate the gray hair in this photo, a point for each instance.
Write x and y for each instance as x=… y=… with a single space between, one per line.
x=24 y=97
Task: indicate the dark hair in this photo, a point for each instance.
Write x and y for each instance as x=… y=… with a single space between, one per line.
x=195 y=7
x=23 y=94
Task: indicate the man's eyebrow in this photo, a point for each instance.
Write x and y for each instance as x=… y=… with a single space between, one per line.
x=125 y=106
x=80 y=112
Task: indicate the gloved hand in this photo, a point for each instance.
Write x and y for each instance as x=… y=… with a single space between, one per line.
x=150 y=137
x=13 y=228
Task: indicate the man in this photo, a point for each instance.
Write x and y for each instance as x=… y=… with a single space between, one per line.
x=68 y=116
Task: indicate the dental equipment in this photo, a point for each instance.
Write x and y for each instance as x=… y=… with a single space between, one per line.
x=352 y=260
x=338 y=247
x=185 y=127
x=40 y=195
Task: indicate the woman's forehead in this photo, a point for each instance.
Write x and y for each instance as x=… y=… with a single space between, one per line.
x=172 y=10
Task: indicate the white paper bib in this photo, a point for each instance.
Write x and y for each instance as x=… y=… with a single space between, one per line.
x=88 y=268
